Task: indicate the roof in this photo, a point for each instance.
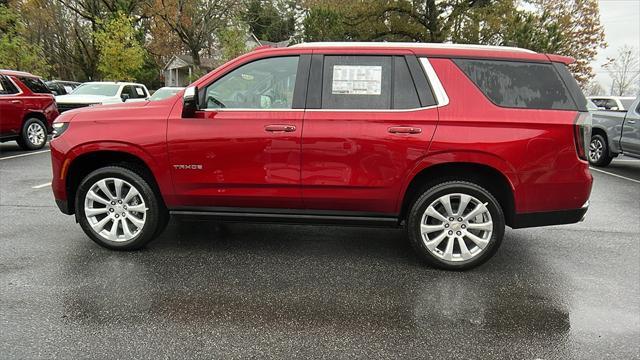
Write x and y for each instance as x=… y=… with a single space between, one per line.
x=16 y=73
x=180 y=61
x=410 y=45
x=113 y=83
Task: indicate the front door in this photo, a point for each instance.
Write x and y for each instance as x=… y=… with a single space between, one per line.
x=369 y=119
x=242 y=149
x=630 y=141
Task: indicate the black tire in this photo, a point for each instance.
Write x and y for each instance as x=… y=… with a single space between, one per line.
x=604 y=157
x=430 y=195
x=24 y=140
x=156 y=215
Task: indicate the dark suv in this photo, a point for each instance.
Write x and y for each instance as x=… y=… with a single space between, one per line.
x=450 y=142
x=27 y=109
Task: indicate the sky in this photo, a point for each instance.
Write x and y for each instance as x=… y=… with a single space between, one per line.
x=621 y=21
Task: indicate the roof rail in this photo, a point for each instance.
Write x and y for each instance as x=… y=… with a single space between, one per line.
x=412 y=45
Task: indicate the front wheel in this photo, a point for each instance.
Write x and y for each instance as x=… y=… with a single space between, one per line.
x=456 y=225
x=33 y=135
x=118 y=209
x=599 y=151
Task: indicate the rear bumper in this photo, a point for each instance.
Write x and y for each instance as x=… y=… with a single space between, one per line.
x=549 y=218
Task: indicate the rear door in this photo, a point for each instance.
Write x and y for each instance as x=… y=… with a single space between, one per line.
x=368 y=119
x=630 y=141
x=11 y=107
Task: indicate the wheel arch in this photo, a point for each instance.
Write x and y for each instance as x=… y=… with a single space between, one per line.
x=83 y=164
x=35 y=114
x=489 y=177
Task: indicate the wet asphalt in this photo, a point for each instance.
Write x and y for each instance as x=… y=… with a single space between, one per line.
x=206 y=290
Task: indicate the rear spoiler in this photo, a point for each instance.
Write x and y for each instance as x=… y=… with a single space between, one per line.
x=561 y=59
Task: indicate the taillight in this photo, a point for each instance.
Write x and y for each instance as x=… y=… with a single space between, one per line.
x=582 y=134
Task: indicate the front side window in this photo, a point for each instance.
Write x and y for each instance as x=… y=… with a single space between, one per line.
x=6 y=86
x=140 y=93
x=518 y=84
x=626 y=103
x=262 y=84
x=34 y=84
x=356 y=82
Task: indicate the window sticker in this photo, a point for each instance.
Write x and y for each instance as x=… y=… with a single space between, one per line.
x=139 y=91
x=356 y=80
x=68 y=89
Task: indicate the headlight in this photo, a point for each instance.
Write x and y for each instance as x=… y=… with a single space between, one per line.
x=59 y=128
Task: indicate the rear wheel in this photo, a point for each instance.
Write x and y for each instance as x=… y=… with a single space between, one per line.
x=33 y=135
x=118 y=209
x=456 y=225
x=599 y=151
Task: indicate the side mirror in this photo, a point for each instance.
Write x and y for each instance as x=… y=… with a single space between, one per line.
x=124 y=97
x=190 y=101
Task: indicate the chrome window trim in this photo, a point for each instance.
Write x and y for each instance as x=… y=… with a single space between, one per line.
x=14 y=84
x=438 y=90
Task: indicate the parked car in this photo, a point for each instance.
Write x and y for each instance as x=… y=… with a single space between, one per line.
x=452 y=142
x=60 y=87
x=615 y=133
x=27 y=109
x=613 y=103
x=104 y=92
x=165 y=92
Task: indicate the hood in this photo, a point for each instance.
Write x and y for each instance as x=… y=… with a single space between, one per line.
x=84 y=99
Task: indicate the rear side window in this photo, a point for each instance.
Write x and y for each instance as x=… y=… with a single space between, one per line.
x=356 y=82
x=405 y=95
x=34 y=84
x=519 y=84
x=6 y=86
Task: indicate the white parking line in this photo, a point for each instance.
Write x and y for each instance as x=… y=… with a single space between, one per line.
x=26 y=154
x=41 y=186
x=616 y=175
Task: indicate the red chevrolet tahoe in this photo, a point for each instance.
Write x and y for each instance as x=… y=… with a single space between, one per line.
x=27 y=109
x=451 y=142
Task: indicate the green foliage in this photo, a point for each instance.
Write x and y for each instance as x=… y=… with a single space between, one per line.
x=121 y=55
x=231 y=43
x=324 y=23
x=15 y=51
x=270 y=20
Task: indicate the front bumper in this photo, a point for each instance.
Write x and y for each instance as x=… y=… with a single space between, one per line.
x=560 y=217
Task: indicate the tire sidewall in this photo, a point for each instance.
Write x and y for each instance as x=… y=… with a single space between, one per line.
x=24 y=136
x=149 y=229
x=430 y=195
x=605 y=158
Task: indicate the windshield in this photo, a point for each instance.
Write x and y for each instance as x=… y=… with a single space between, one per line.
x=626 y=103
x=97 y=89
x=164 y=93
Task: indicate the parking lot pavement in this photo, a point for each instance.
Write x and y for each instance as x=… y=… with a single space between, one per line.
x=247 y=290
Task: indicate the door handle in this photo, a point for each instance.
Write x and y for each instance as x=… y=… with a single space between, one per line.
x=16 y=101
x=404 y=130
x=631 y=121
x=280 y=128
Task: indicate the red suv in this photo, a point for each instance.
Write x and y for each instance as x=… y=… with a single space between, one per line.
x=450 y=142
x=27 y=109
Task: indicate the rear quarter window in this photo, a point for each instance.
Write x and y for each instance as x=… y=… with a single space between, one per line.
x=519 y=84
x=35 y=85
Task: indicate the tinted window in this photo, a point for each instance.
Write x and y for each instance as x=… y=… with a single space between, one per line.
x=34 y=84
x=6 y=86
x=519 y=84
x=405 y=95
x=140 y=93
x=356 y=82
x=626 y=103
x=606 y=104
x=262 y=84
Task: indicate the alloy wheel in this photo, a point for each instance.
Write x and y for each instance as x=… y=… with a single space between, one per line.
x=456 y=227
x=36 y=134
x=115 y=209
x=596 y=148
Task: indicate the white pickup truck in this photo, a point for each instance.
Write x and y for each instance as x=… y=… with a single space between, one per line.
x=614 y=133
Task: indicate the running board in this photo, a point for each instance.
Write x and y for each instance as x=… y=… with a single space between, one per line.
x=289 y=216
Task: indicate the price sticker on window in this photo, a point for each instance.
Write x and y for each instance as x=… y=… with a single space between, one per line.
x=356 y=80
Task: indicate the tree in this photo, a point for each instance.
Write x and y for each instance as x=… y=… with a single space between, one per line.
x=593 y=88
x=195 y=22
x=270 y=20
x=232 y=43
x=16 y=52
x=121 y=55
x=624 y=70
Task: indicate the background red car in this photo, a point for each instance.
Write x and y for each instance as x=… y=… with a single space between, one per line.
x=27 y=109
